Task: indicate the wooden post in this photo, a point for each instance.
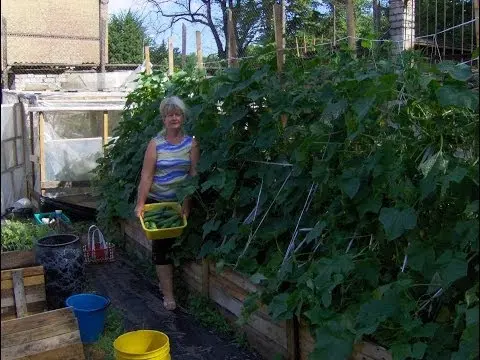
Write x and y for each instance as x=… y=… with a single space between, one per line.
x=105 y=128
x=41 y=144
x=4 y=53
x=184 y=46
x=232 y=41
x=277 y=11
x=477 y=26
x=292 y=329
x=148 y=68
x=198 y=36
x=19 y=293
x=279 y=40
x=170 y=56
x=298 y=49
x=351 y=25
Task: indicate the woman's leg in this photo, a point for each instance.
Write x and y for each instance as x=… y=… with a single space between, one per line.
x=165 y=276
x=164 y=270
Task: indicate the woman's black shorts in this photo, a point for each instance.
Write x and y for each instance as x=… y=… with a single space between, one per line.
x=161 y=248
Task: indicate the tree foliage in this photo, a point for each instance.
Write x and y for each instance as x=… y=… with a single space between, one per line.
x=387 y=150
x=127 y=36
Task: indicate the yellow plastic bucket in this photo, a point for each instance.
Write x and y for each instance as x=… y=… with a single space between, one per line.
x=142 y=345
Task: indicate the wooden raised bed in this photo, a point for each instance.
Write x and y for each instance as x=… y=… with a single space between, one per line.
x=228 y=289
x=23 y=285
x=51 y=335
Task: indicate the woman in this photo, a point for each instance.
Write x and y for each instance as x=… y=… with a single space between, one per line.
x=169 y=159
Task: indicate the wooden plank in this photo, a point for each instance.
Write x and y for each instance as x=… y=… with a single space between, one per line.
x=37 y=320
x=19 y=293
x=9 y=313
x=31 y=280
x=270 y=329
x=235 y=278
x=76 y=108
x=17 y=259
x=184 y=46
x=40 y=346
x=291 y=327
x=367 y=350
x=198 y=38
x=42 y=332
x=70 y=352
x=192 y=285
x=105 y=128
x=65 y=184
x=278 y=25
x=148 y=68
x=170 y=56
x=268 y=349
x=33 y=294
x=27 y=271
x=194 y=276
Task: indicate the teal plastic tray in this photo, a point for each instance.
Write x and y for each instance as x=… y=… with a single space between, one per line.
x=38 y=217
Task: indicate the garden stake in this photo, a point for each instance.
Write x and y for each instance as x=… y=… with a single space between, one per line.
x=250 y=238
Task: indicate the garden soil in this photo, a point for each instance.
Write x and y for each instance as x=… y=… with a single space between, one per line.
x=139 y=299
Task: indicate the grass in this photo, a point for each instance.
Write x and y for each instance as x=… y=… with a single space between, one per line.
x=114 y=327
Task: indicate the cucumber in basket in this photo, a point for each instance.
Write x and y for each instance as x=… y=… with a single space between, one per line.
x=163 y=218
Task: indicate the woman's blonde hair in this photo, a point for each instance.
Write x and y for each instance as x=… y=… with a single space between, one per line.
x=172 y=103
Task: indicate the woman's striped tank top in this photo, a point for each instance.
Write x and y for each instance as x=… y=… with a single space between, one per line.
x=173 y=165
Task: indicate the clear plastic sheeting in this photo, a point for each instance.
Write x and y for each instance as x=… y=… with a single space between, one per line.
x=73 y=143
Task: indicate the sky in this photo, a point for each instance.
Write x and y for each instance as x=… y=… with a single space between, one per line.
x=147 y=11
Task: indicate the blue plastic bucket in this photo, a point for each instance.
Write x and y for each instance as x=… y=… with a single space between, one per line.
x=90 y=312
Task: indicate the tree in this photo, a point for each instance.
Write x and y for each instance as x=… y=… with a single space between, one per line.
x=247 y=16
x=126 y=38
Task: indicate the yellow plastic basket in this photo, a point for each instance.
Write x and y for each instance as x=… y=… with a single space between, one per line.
x=163 y=233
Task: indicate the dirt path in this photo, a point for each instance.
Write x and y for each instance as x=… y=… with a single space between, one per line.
x=140 y=301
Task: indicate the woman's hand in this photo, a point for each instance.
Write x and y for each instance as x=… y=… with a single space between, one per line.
x=139 y=210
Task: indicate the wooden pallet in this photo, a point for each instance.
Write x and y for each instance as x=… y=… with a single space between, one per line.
x=22 y=286
x=51 y=335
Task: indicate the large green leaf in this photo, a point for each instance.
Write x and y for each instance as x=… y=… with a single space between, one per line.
x=449 y=95
x=349 y=182
x=461 y=72
x=396 y=222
